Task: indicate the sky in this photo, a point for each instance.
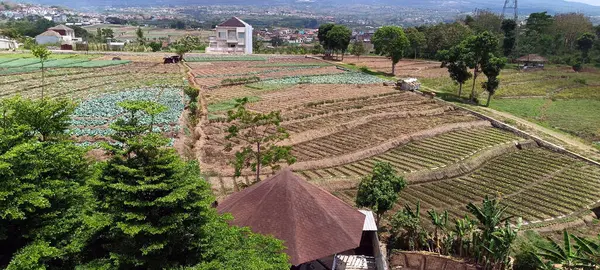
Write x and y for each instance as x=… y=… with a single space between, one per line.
x=591 y=2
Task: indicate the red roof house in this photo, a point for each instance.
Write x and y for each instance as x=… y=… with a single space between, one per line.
x=312 y=223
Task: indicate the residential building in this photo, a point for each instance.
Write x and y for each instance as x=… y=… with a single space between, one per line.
x=59 y=34
x=231 y=36
x=8 y=44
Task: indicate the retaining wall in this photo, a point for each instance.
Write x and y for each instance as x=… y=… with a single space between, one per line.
x=406 y=260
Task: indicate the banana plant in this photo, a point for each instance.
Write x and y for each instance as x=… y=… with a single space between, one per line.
x=439 y=222
x=566 y=255
x=464 y=228
x=588 y=252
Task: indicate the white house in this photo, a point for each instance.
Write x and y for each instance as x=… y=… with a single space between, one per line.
x=231 y=36
x=8 y=44
x=59 y=34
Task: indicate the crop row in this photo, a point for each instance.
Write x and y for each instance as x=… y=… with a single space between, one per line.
x=536 y=184
x=260 y=72
x=435 y=152
x=372 y=134
x=342 y=117
x=219 y=58
x=343 y=78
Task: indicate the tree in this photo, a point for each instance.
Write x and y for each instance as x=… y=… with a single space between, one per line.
x=317 y=49
x=155 y=46
x=46 y=119
x=444 y=36
x=480 y=49
x=107 y=33
x=509 y=27
x=417 y=40
x=538 y=22
x=160 y=208
x=46 y=211
x=457 y=63
x=276 y=41
x=140 y=36
x=584 y=43
x=256 y=136
x=358 y=49
x=42 y=53
x=379 y=191
x=486 y=21
x=492 y=69
x=570 y=26
x=338 y=38
x=391 y=42
x=322 y=36
x=566 y=255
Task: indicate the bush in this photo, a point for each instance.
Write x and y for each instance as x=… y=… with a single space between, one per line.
x=238 y=81
x=578 y=67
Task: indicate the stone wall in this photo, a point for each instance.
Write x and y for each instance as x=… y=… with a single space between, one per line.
x=406 y=260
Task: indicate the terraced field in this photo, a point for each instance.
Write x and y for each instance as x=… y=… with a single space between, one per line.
x=340 y=129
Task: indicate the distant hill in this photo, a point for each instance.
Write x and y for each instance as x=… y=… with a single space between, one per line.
x=526 y=6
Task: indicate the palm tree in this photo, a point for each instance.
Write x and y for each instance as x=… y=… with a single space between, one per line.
x=490 y=217
x=439 y=223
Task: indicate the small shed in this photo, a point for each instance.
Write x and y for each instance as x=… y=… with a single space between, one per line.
x=48 y=37
x=531 y=61
x=409 y=84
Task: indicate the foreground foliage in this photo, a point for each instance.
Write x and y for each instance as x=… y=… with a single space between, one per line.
x=143 y=208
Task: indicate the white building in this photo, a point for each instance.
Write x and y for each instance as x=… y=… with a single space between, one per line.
x=59 y=34
x=8 y=44
x=232 y=36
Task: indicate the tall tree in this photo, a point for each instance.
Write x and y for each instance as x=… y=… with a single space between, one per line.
x=46 y=208
x=486 y=21
x=338 y=38
x=480 y=48
x=358 y=49
x=42 y=53
x=140 y=36
x=391 y=42
x=416 y=39
x=256 y=136
x=492 y=69
x=457 y=63
x=322 y=36
x=160 y=208
x=570 y=26
x=379 y=191
x=585 y=43
x=509 y=28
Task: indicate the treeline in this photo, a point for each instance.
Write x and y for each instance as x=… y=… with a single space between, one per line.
x=142 y=208
x=564 y=38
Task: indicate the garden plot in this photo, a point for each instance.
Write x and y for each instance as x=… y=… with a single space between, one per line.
x=404 y=68
x=373 y=134
x=92 y=118
x=80 y=83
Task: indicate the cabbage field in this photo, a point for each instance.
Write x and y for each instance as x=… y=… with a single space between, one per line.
x=343 y=78
x=93 y=116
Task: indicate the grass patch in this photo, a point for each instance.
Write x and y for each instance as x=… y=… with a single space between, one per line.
x=228 y=104
x=529 y=108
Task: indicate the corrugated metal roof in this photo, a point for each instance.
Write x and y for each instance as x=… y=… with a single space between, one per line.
x=370 y=224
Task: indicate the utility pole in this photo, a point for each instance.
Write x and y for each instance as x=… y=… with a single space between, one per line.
x=512 y=4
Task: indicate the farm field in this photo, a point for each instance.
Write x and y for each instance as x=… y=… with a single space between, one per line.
x=98 y=84
x=556 y=97
x=339 y=128
x=404 y=68
x=128 y=32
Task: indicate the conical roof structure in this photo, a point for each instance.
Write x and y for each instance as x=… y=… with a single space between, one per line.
x=312 y=223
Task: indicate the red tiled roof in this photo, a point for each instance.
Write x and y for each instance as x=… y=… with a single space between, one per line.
x=233 y=22
x=312 y=223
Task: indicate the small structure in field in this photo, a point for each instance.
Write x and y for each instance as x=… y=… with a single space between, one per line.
x=531 y=61
x=409 y=84
x=8 y=44
x=316 y=227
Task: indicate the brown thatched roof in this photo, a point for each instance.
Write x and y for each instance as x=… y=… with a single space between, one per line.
x=532 y=58
x=312 y=223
